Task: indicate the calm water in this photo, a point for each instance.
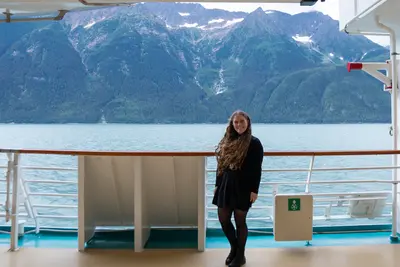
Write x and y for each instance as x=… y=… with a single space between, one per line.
x=203 y=137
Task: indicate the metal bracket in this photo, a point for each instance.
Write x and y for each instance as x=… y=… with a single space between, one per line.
x=60 y=16
x=374 y=69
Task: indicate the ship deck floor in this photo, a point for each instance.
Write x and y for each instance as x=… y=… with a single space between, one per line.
x=332 y=256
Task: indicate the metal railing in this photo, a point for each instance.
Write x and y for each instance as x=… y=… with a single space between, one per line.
x=18 y=188
x=28 y=209
x=331 y=198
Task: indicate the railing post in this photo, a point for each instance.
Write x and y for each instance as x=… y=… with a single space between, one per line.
x=393 y=236
x=394 y=47
x=15 y=204
x=310 y=169
x=395 y=124
x=8 y=184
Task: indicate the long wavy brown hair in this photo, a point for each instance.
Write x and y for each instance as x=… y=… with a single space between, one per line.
x=232 y=149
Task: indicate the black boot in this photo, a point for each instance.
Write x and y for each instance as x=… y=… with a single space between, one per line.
x=239 y=260
x=231 y=256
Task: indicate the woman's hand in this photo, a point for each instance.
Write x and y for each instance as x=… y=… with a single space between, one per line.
x=253 y=197
x=215 y=189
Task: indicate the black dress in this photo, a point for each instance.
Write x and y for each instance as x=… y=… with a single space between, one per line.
x=235 y=186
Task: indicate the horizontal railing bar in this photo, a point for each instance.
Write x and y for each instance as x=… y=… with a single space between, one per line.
x=259 y=195
x=208 y=195
x=351 y=193
x=315 y=218
x=54 y=206
x=315 y=206
x=58 y=230
x=348 y=199
x=264 y=170
x=338 y=206
x=274 y=183
x=341 y=217
x=204 y=154
x=56 y=216
x=329 y=182
x=48 y=168
x=52 y=194
x=335 y=196
x=253 y=207
x=327 y=169
x=355 y=182
x=356 y=169
x=21 y=205
x=213 y=170
x=343 y=199
x=46 y=181
x=50 y=181
x=19 y=214
x=248 y=219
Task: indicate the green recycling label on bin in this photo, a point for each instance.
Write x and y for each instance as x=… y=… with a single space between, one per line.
x=294 y=204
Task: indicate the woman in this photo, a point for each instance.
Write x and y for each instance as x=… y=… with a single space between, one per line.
x=239 y=157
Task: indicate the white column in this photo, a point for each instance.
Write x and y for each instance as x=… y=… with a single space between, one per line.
x=395 y=121
x=81 y=203
x=15 y=204
x=142 y=227
x=202 y=204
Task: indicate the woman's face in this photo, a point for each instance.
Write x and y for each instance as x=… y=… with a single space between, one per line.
x=240 y=123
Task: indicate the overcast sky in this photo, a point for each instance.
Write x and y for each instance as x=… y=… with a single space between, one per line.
x=329 y=7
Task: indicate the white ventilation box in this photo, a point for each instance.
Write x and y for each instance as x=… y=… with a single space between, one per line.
x=293 y=217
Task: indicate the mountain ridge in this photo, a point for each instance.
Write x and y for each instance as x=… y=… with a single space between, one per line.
x=182 y=63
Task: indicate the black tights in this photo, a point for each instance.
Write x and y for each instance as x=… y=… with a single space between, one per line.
x=236 y=240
